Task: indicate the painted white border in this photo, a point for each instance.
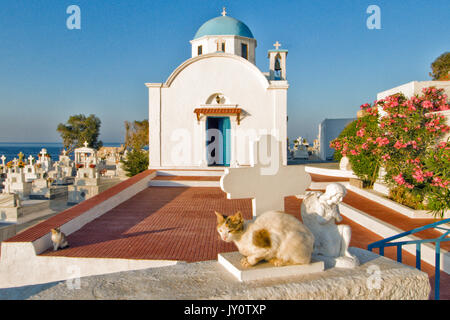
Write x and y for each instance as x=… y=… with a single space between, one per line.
x=330 y=172
x=386 y=230
x=410 y=213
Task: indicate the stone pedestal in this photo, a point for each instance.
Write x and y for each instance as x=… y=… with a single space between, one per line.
x=85 y=188
x=9 y=207
x=381 y=188
x=345 y=164
x=12 y=209
x=15 y=183
x=264 y=270
x=300 y=154
x=7 y=230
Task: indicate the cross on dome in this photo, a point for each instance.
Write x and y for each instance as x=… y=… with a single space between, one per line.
x=224 y=12
x=85 y=144
x=277 y=45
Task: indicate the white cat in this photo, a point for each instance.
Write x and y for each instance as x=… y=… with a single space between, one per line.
x=273 y=236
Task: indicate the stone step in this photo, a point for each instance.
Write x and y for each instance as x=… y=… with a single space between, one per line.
x=185 y=181
x=190 y=172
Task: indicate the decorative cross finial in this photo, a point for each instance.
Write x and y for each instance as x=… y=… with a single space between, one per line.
x=86 y=144
x=224 y=12
x=277 y=45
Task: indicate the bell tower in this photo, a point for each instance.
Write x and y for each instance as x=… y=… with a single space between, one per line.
x=277 y=62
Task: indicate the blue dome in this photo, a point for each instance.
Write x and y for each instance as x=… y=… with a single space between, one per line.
x=223 y=25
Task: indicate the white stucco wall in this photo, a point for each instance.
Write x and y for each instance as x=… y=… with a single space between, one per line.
x=330 y=129
x=415 y=87
x=232 y=45
x=174 y=126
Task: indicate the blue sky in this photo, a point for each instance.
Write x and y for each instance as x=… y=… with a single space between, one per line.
x=335 y=63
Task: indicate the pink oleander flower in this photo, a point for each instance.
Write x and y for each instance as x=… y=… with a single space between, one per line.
x=382 y=141
x=418 y=175
x=386 y=157
x=399 y=179
x=413 y=143
x=427 y=104
x=400 y=145
x=354 y=152
x=437 y=182
x=361 y=132
x=409 y=186
x=365 y=146
x=363 y=106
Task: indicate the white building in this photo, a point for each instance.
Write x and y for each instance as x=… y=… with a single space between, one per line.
x=329 y=129
x=415 y=87
x=221 y=89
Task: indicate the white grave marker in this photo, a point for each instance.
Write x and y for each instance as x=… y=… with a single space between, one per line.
x=266 y=181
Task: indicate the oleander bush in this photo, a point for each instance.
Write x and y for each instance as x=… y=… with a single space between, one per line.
x=401 y=135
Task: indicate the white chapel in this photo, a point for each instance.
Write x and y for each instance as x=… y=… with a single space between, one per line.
x=217 y=102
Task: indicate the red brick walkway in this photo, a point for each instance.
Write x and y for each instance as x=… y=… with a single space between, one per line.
x=158 y=223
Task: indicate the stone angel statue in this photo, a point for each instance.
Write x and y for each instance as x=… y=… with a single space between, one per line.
x=320 y=213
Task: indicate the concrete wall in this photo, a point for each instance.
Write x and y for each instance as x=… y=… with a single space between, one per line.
x=330 y=129
x=7 y=230
x=178 y=138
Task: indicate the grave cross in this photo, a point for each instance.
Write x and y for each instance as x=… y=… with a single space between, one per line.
x=277 y=45
x=266 y=182
x=15 y=161
x=3 y=158
x=43 y=153
x=30 y=159
x=86 y=144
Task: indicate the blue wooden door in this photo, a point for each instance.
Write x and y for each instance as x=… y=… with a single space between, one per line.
x=218 y=154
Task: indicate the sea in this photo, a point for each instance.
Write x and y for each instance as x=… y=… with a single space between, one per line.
x=11 y=149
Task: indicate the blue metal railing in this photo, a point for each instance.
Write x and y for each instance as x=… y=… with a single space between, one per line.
x=381 y=244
